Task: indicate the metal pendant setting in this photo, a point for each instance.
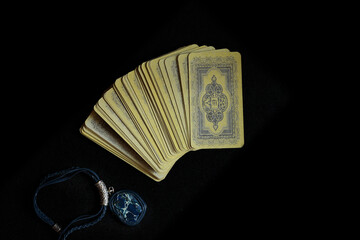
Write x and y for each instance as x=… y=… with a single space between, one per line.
x=128 y=206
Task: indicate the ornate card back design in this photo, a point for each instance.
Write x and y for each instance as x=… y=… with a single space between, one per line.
x=214 y=102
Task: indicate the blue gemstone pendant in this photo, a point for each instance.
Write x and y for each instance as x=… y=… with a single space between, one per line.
x=128 y=207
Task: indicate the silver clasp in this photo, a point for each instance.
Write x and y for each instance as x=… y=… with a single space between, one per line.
x=104 y=196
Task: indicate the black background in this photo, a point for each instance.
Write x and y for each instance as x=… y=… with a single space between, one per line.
x=62 y=58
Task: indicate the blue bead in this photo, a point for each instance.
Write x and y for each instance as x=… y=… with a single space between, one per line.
x=128 y=206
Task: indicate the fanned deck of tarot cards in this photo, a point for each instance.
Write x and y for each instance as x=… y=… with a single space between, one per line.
x=185 y=100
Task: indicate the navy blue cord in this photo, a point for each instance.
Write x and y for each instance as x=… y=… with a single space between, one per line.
x=59 y=177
